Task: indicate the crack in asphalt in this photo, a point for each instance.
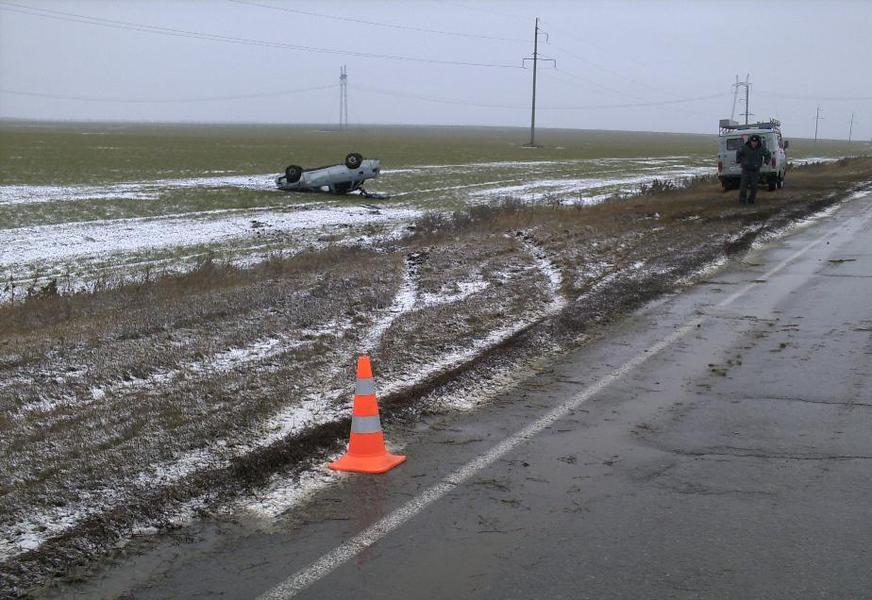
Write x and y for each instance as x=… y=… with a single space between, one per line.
x=737 y=452
x=807 y=401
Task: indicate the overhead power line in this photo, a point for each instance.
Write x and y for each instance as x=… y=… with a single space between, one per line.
x=377 y=23
x=604 y=69
x=165 y=100
x=500 y=12
x=183 y=33
x=639 y=104
x=815 y=98
x=434 y=99
x=460 y=102
x=590 y=82
x=359 y=87
x=558 y=76
x=573 y=35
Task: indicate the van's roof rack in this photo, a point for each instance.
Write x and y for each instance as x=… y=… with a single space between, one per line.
x=727 y=125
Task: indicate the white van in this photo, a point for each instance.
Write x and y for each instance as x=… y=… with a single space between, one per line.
x=731 y=137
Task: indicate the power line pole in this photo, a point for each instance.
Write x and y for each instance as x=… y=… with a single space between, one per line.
x=535 y=58
x=343 y=98
x=747 y=85
x=747 y=100
x=851 y=129
x=735 y=97
x=817 y=119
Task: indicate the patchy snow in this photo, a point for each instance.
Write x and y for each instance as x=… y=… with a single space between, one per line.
x=539 y=189
x=403 y=302
x=312 y=410
x=860 y=191
x=528 y=164
x=454 y=293
x=77 y=254
x=132 y=190
x=71 y=240
x=284 y=493
x=222 y=362
x=455 y=187
x=812 y=160
x=31 y=532
x=550 y=270
x=451 y=361
x=115 y=250
x=36 y=528
x=703 y=272
x=797 y=225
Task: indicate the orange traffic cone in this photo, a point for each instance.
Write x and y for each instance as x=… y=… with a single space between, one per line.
x=366 y=449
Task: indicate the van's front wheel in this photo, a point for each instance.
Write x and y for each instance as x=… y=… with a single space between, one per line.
x=773 y=183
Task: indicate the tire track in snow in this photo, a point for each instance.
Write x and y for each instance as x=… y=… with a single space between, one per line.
x=403 y=302
x=547 y=267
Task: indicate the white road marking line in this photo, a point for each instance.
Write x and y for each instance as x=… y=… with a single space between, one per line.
x=302 y=579
x=768 y=274
x=330 y=561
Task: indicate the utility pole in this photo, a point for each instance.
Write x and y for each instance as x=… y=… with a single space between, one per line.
x=535 y=58
x=735 y=97
x=747 y=100
x=747 y=85
x=817 y=119
x=851 y=129
x=343 y=98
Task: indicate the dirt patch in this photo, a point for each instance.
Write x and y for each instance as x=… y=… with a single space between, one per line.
x=125 y=405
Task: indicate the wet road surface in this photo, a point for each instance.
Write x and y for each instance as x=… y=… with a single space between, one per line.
x=714 y=445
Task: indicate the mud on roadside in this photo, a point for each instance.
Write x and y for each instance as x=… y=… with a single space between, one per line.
x=122 y=407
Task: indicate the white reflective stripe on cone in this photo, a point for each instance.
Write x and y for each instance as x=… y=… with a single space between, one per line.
x=365 y=387
x=365 y=424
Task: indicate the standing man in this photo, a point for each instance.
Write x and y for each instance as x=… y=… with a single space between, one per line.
x=751 y=157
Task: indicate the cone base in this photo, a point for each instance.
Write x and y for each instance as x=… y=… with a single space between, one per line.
x=379 y=463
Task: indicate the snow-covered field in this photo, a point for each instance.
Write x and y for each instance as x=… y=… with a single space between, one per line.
x=78 y=252
x=132 y=190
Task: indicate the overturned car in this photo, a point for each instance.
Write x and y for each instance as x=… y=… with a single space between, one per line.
x=333 y=179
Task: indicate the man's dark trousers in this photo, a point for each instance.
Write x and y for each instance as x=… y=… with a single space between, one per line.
x=748 y=185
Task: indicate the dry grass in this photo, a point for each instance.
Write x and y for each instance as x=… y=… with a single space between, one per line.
x=45 y=310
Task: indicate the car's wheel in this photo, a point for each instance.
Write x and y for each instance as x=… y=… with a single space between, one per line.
x=773 y=183
x=781 y=182
x=293 y=173
x=353 y=160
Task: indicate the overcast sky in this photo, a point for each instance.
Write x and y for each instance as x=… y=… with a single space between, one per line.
x=620 y=65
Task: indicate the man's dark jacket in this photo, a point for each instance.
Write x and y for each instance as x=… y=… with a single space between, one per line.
x=751 y=158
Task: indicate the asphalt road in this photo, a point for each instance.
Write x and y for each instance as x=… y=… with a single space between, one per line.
x=714 y=445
